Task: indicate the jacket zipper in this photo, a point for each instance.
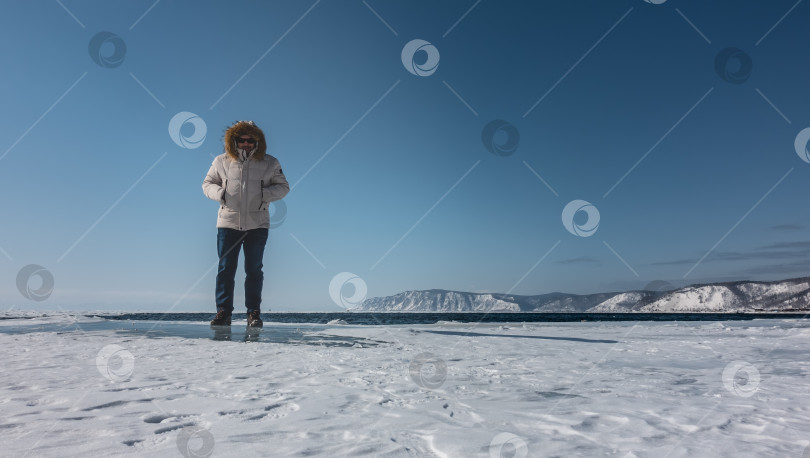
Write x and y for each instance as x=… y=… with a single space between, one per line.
x=261 y=194
x=243 y=203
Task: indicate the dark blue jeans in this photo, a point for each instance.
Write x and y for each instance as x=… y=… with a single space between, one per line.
x=229 y=242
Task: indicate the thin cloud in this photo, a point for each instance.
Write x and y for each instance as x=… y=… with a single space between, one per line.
x=788 y=246
x=776 y=251
x=794 y=269
x=675 y=262
x=579 y=261
x=787 y=227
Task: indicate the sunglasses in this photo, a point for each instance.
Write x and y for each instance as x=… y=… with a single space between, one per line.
x=252 y=141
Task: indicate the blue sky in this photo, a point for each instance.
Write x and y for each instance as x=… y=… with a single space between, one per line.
x=619 y=104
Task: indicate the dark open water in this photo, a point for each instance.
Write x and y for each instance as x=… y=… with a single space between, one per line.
x=429 y=318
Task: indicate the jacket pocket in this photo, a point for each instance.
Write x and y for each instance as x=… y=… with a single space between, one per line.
x=232 y=195
x=261 y=195
x=253 y=195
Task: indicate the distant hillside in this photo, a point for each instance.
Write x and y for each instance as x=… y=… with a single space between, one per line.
x=743 y=296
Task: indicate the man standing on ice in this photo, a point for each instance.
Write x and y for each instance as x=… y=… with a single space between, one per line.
x=244 y=180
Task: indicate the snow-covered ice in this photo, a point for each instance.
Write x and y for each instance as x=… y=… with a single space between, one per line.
x=76 y=386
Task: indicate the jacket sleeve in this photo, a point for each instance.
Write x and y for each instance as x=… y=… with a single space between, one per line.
x=278 y=187
x=212 y=184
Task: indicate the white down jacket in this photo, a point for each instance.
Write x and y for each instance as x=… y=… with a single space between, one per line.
x=245 y=190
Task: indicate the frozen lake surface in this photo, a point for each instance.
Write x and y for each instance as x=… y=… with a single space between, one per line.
x=75 y=385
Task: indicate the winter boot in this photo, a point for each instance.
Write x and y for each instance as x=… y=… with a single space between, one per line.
x=222 y=319
x=253 y=319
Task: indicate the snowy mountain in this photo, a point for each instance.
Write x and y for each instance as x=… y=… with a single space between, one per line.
x=743 y=296
x=738 y=296
x=439 y=300
x=436 y=300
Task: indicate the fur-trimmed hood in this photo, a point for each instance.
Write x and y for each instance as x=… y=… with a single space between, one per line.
x=240 y=128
